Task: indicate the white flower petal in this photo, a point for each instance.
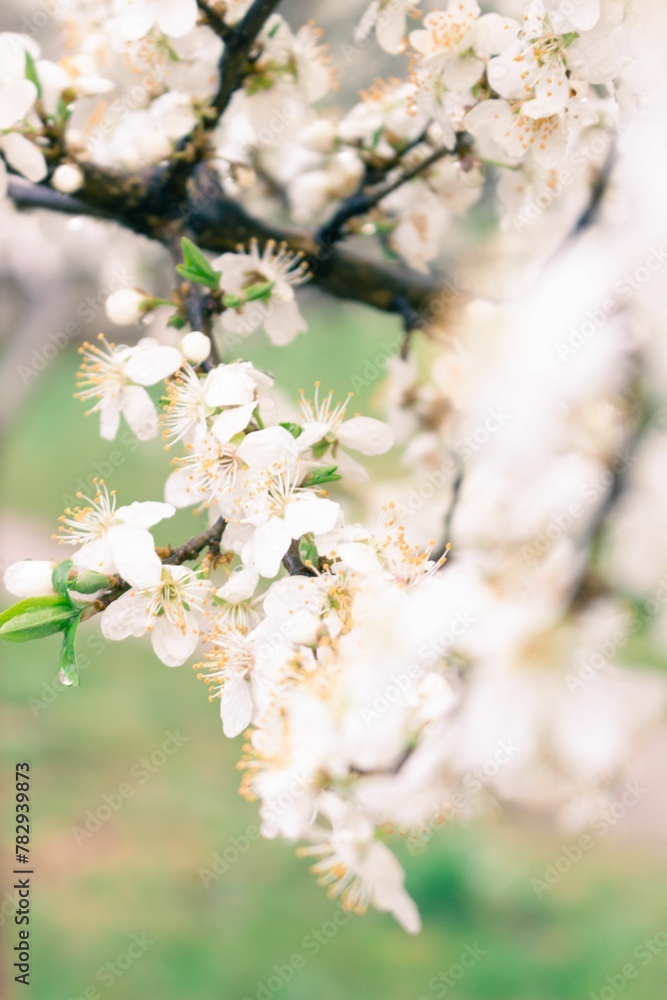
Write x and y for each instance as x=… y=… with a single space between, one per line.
x=139 y=410
x=367 y=435
x=126 y=616
x=231 y=422
x=229 y=385
x=134 y=555
x=150 y=365
x=261 y=449
x=272 y=541
x=236 y=707
x=144 y=514
x=311 y=514
x=24 y=156
x=172 y=644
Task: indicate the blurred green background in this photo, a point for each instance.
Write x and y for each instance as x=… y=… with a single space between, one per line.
x=140 y=873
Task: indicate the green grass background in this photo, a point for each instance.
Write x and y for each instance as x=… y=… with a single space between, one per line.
x=139 y=874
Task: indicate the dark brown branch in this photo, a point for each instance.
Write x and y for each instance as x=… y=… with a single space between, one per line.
x=214 y=20
x=218 y=224
x=238 y=46
x=209 y=539
x=362 y=202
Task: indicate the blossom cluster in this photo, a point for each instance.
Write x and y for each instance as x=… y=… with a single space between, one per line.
x=488 y=92
x=382 y=680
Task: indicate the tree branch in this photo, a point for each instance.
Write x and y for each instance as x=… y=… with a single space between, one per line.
x=238 y=45
x=363 y=201
x=217 y=223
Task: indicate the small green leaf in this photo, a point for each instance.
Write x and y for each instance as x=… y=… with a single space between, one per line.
x=68 y=674
x=296 y=430
x=35 y=618
x=262 y=290
x=60 y=576
x=320 y=448
x=31 y=73
x=325 y=474
x=190 y=274
x=232 y=301
x=89 y=581
x=308 y=554
x=196 y=262
x=176 y=322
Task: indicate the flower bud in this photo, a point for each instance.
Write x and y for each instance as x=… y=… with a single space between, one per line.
x=196 y=346
x=67 y=178
x=124 y=307
x=29 y=578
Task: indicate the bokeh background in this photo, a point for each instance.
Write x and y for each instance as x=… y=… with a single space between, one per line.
x=149 y=870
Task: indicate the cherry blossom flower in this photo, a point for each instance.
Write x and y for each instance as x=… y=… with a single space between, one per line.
x=115 y=376
x=114 y=540
x=276 y=272
x=171 y=609
x=174 y=18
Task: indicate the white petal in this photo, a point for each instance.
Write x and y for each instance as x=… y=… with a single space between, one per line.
x=137 y=20
x=229 y=385
x=311 y=514
x=367 y=435
x=134 y=555
x=139 y=410
x=151 y=365
x=110 y=416
x=261 y=449
x=95 y=555
x=362 y=558
x=231 y=422
x=174 y=645
x=180 y=491
x=125 y=617
x=24 y=156
x=235 y=707
x=272 y=541
x=144 y=514
x=177 y=17
x=16 y=99
x=240 y=586
x=283 y=322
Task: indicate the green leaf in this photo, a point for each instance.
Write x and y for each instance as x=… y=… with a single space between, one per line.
x=296 y=430
x=320 y=448
x=89 y=581
x=307 y=551
x=60 y=576
x=196 y=262
x=325 y=474
x=232 y=301
x=176 y=322
x=190 y=274
x=35 y=618
x=31 y=73
x=262 y=290
x=68 y=674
